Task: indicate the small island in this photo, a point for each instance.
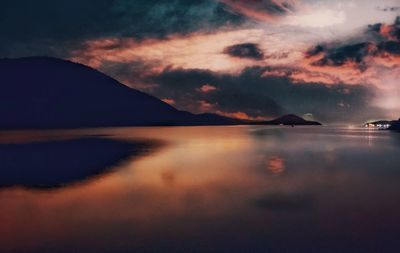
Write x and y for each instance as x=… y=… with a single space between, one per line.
x=290 y=120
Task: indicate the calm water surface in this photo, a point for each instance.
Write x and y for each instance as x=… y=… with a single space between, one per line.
x=208 y=189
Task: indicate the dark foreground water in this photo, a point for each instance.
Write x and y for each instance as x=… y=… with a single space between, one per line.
x=200 y=189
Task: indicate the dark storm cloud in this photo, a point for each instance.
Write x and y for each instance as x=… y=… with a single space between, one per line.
x=245 y=50
x=255 y=94
x=54 y=27
x=161 y=17
x=341 y=55
x=130 y=73
x=383 y=31
x=230 y=96
x=379 y=40
x=391 y=47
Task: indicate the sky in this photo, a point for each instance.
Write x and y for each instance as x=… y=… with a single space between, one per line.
x=336 y=61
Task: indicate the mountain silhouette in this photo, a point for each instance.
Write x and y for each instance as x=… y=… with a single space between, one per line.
x=47 y=93
x=290 y=119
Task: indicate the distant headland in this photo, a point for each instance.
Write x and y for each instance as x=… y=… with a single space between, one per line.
x=384 y=124
x=290 y=120
x=395 y=126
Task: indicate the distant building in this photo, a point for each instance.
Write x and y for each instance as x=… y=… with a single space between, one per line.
x=378 y=124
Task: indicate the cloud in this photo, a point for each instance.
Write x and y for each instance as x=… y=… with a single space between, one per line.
x=191 y=51
x=169 y=101
x=385 y=42
x=318 y=19
x=202 y=78
x=389 y=8
x=250 y=51
x=240 y=115
x=252 y=94
x=340 y=56
x=374 y=60
x=338 y=64
x=54 y=28
x=245 y=50
x=264 y=10
x=206 y=88
x=229 y=95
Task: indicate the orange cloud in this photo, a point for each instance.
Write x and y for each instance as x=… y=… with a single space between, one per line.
x=169 y=101
x=206 y=88
x=205 y=106
x=285 y=56
x=302 y=75
x=263 y=10
x=388 y=31
x=313 y=77
x=193 y=51
x=239 y=115
x=348 y=73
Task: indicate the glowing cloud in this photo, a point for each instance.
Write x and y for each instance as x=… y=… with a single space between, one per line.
x=319 y=19
x=207 y=88
x=264 y=10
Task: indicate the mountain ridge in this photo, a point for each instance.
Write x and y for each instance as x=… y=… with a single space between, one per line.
x=45 y=92
x=51 y=93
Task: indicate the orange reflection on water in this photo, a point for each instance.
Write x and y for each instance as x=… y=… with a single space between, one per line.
x=214 y=181
x=276 y=165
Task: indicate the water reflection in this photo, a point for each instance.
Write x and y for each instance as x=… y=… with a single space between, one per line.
x=276 y=165
x=285 y=202
x=215 y=189
x=49 y=162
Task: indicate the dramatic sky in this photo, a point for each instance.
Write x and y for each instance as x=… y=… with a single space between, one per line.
x=330 y=60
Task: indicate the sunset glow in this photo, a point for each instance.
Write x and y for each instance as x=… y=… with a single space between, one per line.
x=202 y=58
